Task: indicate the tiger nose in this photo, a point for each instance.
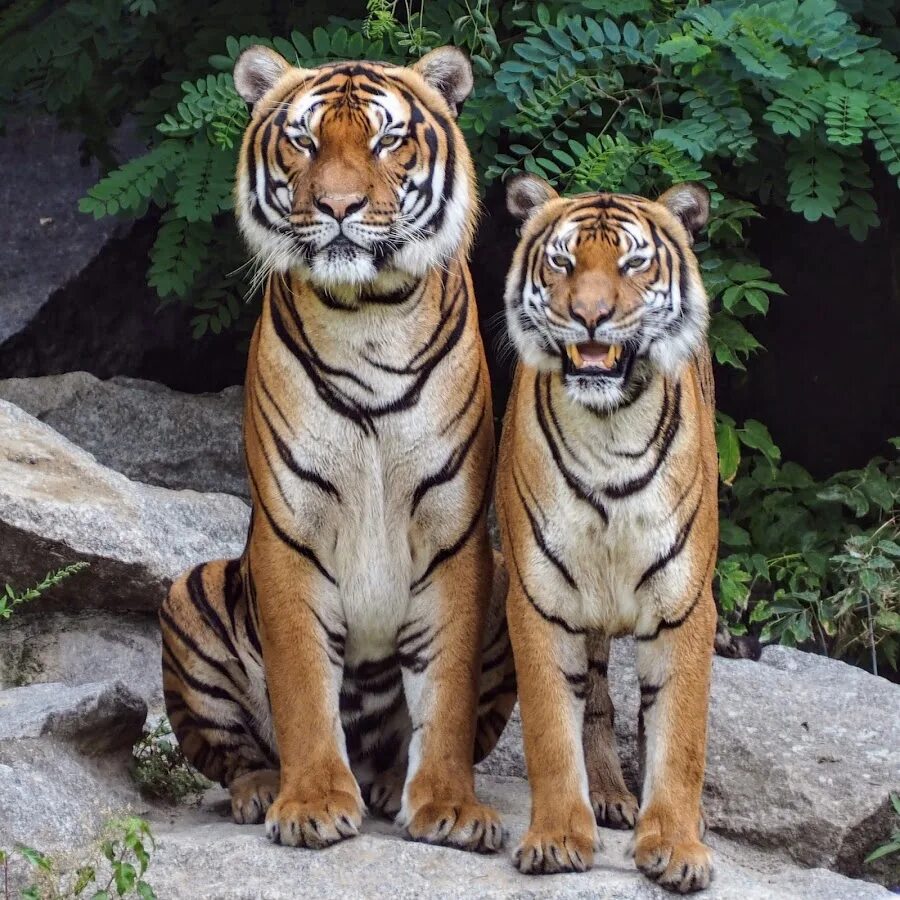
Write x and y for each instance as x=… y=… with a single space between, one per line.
x=590 y=314
x=339 y=206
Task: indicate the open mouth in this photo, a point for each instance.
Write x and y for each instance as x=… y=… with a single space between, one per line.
x=595 y=360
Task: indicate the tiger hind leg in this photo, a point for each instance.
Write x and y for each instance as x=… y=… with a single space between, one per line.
x=214 y=685
x=613 y=804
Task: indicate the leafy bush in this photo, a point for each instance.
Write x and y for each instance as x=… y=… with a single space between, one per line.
x=115 y=868
x=815 y=563
x=162 y=771
x=10 y=599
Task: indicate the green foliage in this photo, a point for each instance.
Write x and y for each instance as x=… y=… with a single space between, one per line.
x=769 y=101
x=10 y=598
x=115 y=868
x=161 y=770
x=892 y=845
x=811 y=563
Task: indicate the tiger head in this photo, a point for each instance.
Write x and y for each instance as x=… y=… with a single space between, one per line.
x=355 y=172
x=605 y=288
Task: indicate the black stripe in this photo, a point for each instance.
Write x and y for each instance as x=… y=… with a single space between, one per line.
x=547 y=617
x=677 y=546
x=285 y=538
x=581 y=490
x=449 y=470
x=618 y=492
x=540 y=540
x=665 y=624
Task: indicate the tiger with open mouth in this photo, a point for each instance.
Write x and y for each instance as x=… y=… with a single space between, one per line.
x=607 y=503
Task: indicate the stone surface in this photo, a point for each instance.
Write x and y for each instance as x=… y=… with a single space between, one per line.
x=97 y=717
x=82 y=647
x=58 y=505
x=73 y=290
x=202 y=855
x=142 y=429
x=64 y=754
x=46 y=241
x=803 y=754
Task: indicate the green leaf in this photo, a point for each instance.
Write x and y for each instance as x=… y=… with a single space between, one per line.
x=729 y=451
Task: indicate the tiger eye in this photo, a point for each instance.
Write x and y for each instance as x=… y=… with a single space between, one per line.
x=561 y=262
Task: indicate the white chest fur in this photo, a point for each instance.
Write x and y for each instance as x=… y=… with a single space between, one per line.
x=600 y=566
x=375 y=531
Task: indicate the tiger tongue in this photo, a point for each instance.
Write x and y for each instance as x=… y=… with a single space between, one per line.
x=594 y=355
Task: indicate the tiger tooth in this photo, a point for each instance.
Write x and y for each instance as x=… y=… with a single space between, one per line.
x=575 y=355
x=610 y=359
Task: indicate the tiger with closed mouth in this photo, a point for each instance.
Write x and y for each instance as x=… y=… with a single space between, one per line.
x=357 y=651
x=606 y=498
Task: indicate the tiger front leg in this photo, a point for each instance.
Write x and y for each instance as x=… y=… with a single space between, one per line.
x=439 y=647
x=674 y=670
x=551 y=666
x=319 y=801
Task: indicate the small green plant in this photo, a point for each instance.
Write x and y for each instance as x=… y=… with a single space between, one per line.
x=162 y=771
x=893 y=844
x=115 y=868
x=10 y=599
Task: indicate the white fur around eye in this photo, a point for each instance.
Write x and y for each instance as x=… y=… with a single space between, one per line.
x=560 y=262
x=634 y=264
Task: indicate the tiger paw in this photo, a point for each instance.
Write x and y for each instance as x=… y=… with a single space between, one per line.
x=387 y=793
x=316 y=821
x=678 y=866
x=467 y=825
x=549 y=852
x=614 y=809
x=252 y=794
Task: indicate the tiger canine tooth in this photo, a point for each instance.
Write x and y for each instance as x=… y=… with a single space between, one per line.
x=575 y=355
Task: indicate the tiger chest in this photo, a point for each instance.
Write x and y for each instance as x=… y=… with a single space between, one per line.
x=608 y=577
x=385 y=520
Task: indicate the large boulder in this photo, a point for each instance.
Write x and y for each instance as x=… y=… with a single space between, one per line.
x=46 y=241
x=803 y=754
x=143 y=429
x=79 y=647
x=59 y=505
x=202 y=856
x=64 y=755
x=73 y=289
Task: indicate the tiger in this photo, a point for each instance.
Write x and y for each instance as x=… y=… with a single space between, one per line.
x=356 y=655
x=606 y=499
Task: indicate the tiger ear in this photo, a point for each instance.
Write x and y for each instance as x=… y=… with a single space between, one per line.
x=449 y=71
x=526 y=193
x=256 y=71
x=689 y=203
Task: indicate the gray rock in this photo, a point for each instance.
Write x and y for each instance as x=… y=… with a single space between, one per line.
x=64 y=754
x=82 y=647
x=58 y=505
x=143 y=429
x=97 y=717
x=46 y=241
x=803 y=754
x=204 y=856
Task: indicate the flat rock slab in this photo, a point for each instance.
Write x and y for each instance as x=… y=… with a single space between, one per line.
x=80 y=647
x=202 y=855
x=803 y=754
x=98 y=716
x=59 y=505
x=142 y=429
